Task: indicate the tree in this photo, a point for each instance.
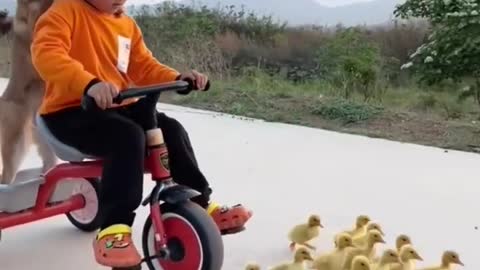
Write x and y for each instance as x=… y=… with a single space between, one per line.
x=452 y=50
x=352 y=60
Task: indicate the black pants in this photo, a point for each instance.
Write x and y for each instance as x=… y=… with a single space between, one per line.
x=117 y=136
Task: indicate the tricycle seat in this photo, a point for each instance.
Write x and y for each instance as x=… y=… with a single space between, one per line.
x=63 y=151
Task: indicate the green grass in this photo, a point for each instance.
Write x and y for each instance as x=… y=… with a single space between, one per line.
x=261 y=95
x=444 y=104
x=346 y=111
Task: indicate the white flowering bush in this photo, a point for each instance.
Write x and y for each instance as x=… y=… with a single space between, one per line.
x=452 y=50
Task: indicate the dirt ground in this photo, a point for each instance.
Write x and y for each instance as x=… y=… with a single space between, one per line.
x=411 y=128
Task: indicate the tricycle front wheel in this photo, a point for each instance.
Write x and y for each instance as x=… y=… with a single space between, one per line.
x=193 y=239
x=88 y=218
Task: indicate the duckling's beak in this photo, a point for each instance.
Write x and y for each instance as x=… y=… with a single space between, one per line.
x=309 y=257
x=382 y=241
x=460 y=262
x=320 y=224
x=418 y=257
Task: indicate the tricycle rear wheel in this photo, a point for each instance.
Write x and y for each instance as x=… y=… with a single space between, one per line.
x=88 y=218
x=194 y=240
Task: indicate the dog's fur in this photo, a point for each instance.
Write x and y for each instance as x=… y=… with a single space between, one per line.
x=22 y=96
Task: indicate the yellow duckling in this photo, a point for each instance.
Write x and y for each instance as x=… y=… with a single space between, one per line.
x=360 y=262
x=360 y=226
x=300 y=256
x=407 y=257
x=252 y=266
x=401 y=241
x=374 y=237
x=302 y=233
x=361 y=239
x=389 y=256
x=375 y=226
x=334 y=259
x=449 y=257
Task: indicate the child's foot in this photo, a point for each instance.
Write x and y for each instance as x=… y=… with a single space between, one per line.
x=114 y=247
x=229 y=220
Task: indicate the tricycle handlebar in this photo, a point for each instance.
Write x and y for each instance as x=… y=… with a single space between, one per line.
x=88 y=103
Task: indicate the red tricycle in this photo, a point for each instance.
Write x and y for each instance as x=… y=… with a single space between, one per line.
x=178 y=234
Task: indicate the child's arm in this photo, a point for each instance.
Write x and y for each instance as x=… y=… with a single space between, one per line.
x=144 y=68
x=50 y=54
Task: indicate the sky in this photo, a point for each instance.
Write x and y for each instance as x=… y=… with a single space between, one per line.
x=333 y=3
x=330 y=3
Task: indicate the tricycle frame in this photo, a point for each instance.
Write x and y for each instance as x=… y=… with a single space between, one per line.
x=165 y=190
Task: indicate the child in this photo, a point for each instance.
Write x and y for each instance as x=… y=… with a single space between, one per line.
x=90 y=47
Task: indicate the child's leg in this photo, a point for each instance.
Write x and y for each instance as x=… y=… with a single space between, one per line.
x=120 y=142
x=185 y=170
x=184 y=167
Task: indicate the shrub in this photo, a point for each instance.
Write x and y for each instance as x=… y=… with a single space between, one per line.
x=346 y=111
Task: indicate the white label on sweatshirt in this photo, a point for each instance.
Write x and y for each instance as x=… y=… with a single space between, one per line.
x=123 y=53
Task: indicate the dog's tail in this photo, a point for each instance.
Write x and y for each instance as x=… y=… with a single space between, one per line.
x=6 y=23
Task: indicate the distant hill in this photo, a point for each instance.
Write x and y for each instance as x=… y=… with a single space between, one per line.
x=298 y=11
x=311 y=12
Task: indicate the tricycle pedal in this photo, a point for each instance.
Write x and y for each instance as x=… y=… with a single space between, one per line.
x=162 y=254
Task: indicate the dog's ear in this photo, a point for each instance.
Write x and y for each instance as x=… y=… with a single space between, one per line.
x=6 y=23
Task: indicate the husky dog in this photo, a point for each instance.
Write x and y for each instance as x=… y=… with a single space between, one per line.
x=23 y=95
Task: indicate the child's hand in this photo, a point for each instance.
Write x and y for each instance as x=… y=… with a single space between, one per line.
x=200 y=79
x=103 y=93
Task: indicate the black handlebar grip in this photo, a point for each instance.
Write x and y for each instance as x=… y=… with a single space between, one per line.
x=118 y=99
x=191 y=86
x=89 y=103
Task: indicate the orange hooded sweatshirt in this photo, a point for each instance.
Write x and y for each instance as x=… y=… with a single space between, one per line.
x=75 y=46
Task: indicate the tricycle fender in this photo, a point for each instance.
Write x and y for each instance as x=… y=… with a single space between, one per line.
x=171 y=194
